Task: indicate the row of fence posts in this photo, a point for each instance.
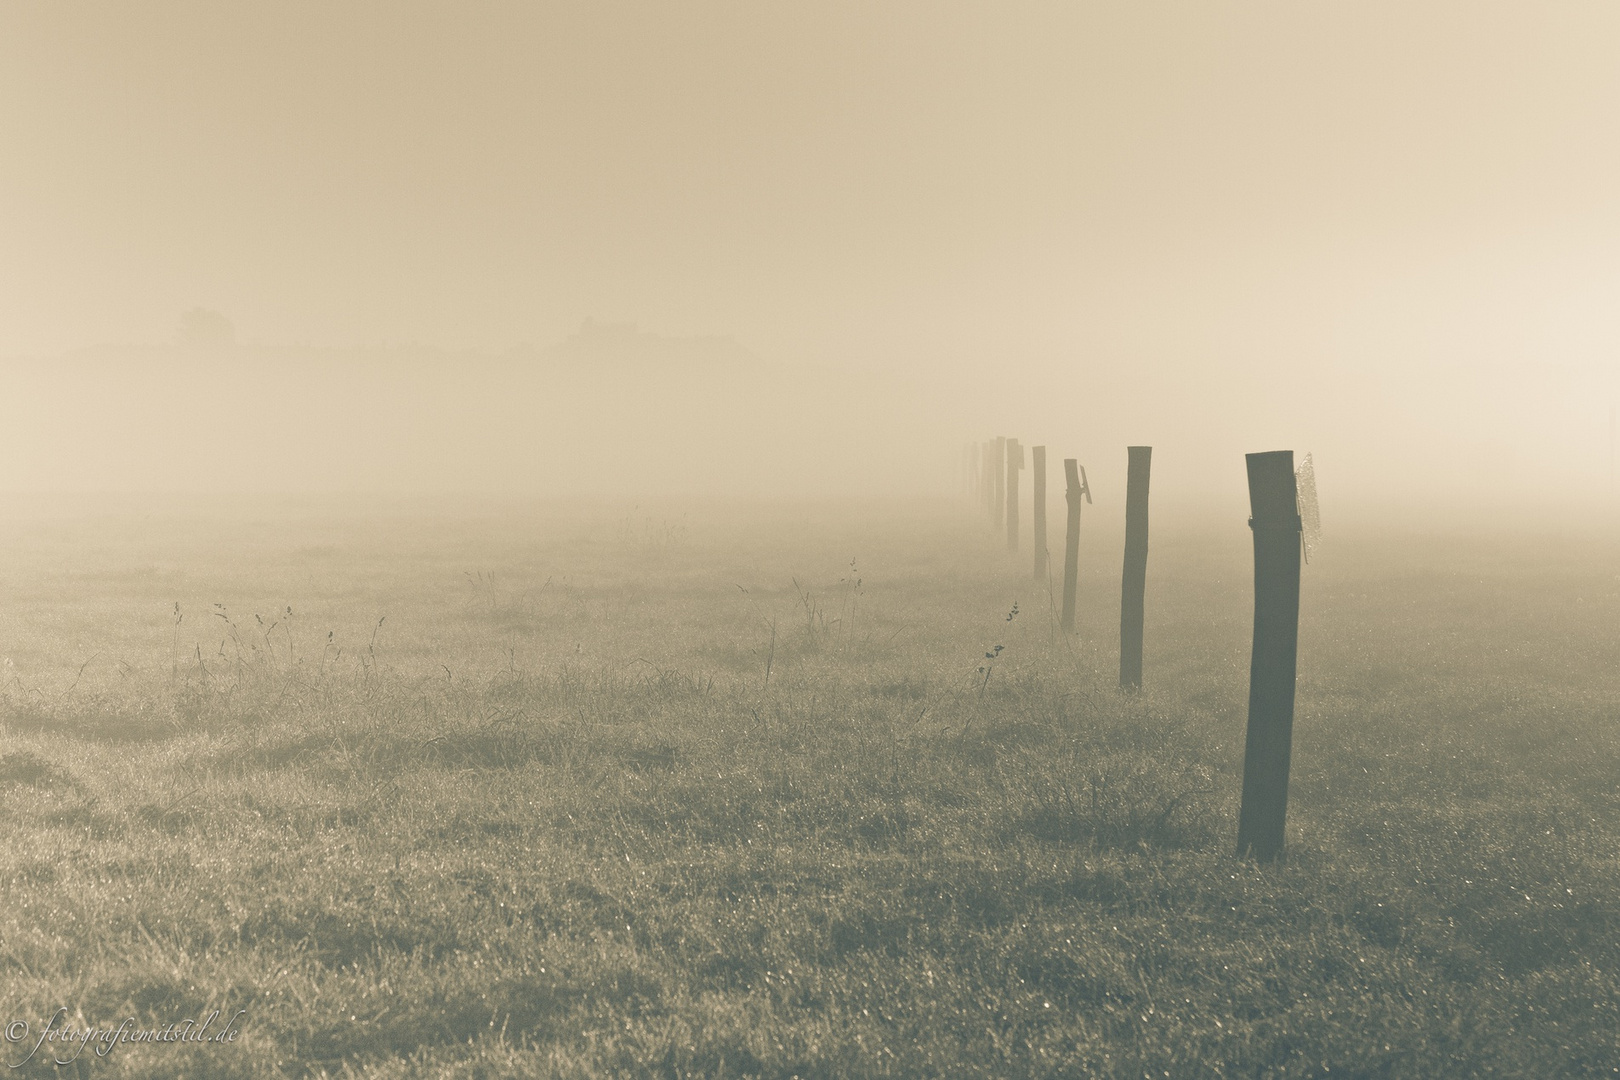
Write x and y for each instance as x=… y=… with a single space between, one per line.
x=992 y=470
x=991 y=475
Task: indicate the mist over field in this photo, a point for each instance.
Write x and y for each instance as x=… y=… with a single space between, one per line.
x=537 y=540
x=849 y=239
x=616 y=411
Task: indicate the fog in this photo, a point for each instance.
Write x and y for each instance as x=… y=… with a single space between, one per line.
x=738 y=249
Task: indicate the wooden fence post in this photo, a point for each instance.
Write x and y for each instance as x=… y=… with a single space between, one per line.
x=1276 y=524
x=1015 y=462
x=1075 y=489
x=999 y=481
x=1133 y=582
x=1038 y=537
x=987 y=485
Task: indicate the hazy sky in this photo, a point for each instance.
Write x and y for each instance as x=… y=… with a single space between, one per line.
x=1375 y=199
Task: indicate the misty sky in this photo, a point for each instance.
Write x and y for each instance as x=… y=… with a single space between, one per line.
x=1409 y=210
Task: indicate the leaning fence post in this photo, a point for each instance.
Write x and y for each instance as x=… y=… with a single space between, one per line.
x=1133 y=582
x=1076 y=488
x=1273 y=501
x=1038 y=483
x=1015 y=462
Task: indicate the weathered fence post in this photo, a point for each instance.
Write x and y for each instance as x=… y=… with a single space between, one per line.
x=1038 y=539
x=1133 y=582
x=987 y=483
x=1075 y=488
x=1276 y=525
x=999 y=480
x=1015 y=462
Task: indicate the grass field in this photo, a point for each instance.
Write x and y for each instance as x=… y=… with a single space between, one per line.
x=732 y=791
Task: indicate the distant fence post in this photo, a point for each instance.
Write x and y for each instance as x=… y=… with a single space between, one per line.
x=987 y=484
x=1015 y=462
x=1038 y=493
x=1133 y=583
x=1075 y=489
x=999 y=480
x=1273 y=501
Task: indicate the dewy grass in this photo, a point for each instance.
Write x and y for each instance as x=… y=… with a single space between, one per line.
x=584 y=837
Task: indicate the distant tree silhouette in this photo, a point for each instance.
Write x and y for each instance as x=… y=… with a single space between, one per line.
x=202 y=328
